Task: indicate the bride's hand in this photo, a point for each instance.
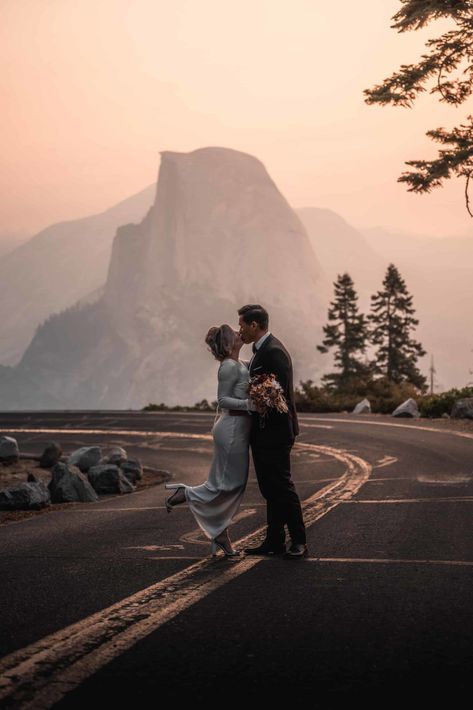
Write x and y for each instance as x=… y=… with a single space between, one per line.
x=252 y=406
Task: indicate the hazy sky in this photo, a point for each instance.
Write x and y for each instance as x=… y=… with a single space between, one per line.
x=93 y=90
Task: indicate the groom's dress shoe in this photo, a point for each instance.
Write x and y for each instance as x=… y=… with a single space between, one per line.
x=296 y=552
x=266 y=550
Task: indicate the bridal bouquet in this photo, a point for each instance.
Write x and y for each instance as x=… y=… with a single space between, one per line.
x=266 y=393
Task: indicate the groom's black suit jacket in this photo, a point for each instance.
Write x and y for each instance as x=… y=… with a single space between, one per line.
x=280 y=427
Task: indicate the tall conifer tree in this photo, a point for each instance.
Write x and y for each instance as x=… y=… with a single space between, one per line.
x=448 y=64
x=392 y=319
x=347 y=332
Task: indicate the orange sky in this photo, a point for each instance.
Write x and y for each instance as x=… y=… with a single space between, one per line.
x=92 y=90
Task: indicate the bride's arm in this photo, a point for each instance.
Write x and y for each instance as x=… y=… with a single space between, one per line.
x=227 y=378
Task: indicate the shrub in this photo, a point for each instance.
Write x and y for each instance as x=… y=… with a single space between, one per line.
x=202 y=406
x=436 y=405
x=383 y=395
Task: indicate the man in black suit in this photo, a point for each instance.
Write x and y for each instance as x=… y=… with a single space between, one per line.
x=271 y=445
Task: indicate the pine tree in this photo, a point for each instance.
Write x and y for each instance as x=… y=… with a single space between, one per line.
x=448 y=51
x=392 y=320
x=347 y=333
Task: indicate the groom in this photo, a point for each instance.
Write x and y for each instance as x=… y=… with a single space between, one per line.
x=271 y=445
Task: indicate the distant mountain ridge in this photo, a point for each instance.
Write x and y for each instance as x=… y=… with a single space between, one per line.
x=218 y=235
x=10 y=240
x=56 y=267
x=101 y=299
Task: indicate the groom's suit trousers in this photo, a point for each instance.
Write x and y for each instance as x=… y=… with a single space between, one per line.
x=273 y=472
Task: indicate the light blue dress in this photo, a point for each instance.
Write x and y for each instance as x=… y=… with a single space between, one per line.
x=215 y=502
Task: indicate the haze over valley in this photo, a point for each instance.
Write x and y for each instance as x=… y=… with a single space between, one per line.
x=111 y=310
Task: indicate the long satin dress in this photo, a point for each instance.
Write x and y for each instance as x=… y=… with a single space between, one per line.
x=215 y=502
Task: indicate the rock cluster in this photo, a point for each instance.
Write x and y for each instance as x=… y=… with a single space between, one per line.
x=80 y=476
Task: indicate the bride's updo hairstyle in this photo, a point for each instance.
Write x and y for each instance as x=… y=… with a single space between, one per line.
x=220 y=341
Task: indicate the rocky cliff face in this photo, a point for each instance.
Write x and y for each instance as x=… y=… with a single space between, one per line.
x=219 y=235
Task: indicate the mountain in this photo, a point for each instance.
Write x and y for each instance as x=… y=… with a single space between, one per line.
x=219 y=235
x=56 y=267
x=11 y=240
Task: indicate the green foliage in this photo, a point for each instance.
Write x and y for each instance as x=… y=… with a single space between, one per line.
x=436 y=405
x=383 y=395
x=447 y=53
x=392 y=320
x=346 y=333
x=202 y=406
x=311 y=398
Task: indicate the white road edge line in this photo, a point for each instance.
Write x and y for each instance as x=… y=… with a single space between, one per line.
x=391 y=424
x=40 y=674
x=368 y=560
x=451 y=499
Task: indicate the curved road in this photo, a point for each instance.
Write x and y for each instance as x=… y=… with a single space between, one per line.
x=118 y=596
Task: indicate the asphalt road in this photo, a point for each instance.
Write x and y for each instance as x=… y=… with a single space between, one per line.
x=380 y=612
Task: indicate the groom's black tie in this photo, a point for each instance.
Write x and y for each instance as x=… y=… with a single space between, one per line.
x=254 y=348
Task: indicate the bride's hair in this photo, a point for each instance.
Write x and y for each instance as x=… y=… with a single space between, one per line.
x=220 y=341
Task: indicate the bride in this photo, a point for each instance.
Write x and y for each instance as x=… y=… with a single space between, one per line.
x=215 y=502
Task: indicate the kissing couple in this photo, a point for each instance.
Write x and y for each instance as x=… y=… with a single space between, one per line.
x=241 y=422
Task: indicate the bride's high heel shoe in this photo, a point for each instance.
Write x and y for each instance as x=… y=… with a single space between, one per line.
x=177 y=486
x=215 y=544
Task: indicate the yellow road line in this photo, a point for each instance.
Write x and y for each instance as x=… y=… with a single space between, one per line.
x=40 y=674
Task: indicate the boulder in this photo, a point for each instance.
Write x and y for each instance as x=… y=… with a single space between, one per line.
x=408 y=408
x=68 y=484
x=363 y=407
x=109 y=478
x=51 y=455
x=33 y=494
x=9 y=452
x=117 y=456
x=85 y=457
x=132 y=469
x=463 y=409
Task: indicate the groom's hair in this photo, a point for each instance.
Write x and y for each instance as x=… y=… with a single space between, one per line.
x=254 y=312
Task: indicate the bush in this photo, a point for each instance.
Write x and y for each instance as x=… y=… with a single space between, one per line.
x=436 y=405
x=202 y=406
x=383 y=395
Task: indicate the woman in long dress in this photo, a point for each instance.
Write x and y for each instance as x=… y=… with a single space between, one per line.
x=215 y=502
